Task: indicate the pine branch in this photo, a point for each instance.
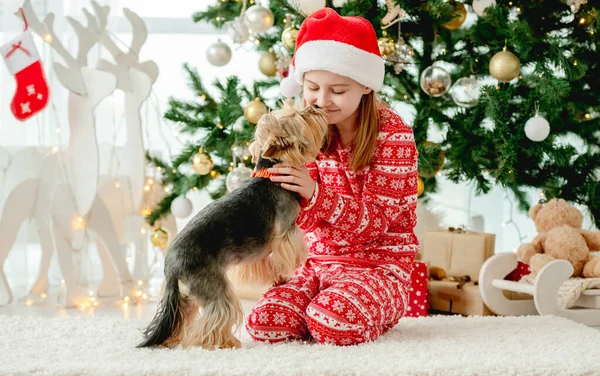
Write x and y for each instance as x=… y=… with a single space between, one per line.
x=356 y=8
x=185 y=155
x=157 y=162
x=231 y=108
x=162 y=209
x=217 y=14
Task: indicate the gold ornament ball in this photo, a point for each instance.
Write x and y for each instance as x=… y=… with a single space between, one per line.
x=268 y=64
x=255 y=110
x=159 y=237
x=387 y=46
x=505 y=66
x=288 y=37
x=460 y=14
x=420 y=186
x=201 y=163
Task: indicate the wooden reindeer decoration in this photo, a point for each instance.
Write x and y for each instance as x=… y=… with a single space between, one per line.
x=64 y=195
x=129 y=194
x=20 y=183
x=135 y=79
x=30 y=198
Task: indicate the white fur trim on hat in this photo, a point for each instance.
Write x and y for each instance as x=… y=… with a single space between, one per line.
x=344 y=59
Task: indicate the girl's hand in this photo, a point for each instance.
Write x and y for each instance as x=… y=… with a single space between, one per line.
x=296 y=179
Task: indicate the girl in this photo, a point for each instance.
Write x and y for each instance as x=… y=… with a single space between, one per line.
x=360 y=197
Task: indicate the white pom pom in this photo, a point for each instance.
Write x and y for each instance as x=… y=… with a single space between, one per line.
x=479 y=6
x=339 y=3
x=289 y=87
x=181 y=207
x=307 y=7
x=537 y=128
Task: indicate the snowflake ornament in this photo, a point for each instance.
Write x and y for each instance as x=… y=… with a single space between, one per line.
x=400 y=58
x=283 y=59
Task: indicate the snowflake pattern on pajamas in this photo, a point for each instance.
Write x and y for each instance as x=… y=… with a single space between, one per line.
x=330 y=313
x=360 y=232
x=371 y=214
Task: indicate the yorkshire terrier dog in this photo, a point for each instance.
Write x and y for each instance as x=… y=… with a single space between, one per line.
x=249 y=234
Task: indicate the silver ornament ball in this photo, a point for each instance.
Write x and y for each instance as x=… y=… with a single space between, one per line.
x=466 y=92
x=237 y=177
x=259 y=19
x=218 y=54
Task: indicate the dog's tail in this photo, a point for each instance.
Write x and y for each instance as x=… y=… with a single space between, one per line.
x=168 y=321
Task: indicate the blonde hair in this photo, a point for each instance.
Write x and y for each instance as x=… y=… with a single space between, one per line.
x=365 y=140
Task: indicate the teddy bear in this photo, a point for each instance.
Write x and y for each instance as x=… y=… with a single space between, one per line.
x=560 y=236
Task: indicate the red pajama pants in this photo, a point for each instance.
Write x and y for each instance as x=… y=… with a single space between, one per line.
x=332 y=303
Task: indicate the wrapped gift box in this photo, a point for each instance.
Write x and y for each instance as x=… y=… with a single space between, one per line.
x=418 y=303
x=458 y=252
x=445 y=296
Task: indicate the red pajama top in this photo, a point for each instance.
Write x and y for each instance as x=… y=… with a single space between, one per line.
x=366 y=218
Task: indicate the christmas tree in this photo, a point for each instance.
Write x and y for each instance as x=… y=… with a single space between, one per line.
x=507 y=87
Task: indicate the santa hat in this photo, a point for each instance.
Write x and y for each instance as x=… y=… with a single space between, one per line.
x=343 y=45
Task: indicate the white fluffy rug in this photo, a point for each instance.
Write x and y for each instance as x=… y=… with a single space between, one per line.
x=441 y=345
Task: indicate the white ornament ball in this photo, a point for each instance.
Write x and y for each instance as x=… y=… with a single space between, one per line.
x=181 y=207
x=259 y=19
x=237 y=177
x=307 y=7
x=537 y=128
x=218 y=54
x=339 y=3
x=289 y=87
x=479 y=6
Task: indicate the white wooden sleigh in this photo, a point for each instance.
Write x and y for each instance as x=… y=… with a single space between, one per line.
x=544 y=291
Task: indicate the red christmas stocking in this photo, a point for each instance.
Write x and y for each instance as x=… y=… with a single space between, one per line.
x=23 y=62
